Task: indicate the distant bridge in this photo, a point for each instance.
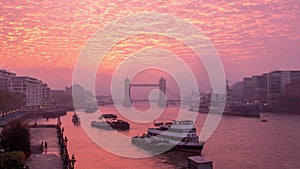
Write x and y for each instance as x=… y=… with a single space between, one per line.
x=162 y=95
x=161 y=101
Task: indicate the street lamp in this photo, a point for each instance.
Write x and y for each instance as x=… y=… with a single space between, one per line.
x=62 y=136
x=72 y=160
x=35 y=124
x=66 y=141
x=57 y=122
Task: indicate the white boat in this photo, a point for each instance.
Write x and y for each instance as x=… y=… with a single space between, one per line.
x=179 y=135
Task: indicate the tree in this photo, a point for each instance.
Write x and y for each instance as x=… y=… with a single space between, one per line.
x=16 y=137
x=10 y=101
x=12 y=160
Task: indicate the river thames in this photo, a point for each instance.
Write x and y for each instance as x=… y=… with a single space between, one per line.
x=237 y=143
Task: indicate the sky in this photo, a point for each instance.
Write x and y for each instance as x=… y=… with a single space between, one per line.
x=44 y=39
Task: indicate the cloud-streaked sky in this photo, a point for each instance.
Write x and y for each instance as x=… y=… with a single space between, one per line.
x=44 y=38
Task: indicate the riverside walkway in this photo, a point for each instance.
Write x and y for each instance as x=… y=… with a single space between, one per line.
x=49 y=158
x=49 y=146
x=30 y=112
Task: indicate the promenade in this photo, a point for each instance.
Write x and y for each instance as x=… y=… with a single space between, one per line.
x=50 y=158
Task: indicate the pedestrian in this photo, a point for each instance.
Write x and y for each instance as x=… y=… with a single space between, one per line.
x=46 y=145
x=42 y=146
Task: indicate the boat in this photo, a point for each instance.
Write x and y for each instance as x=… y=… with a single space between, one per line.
x=263 y=120
x=152 y=143
x=106 y=116
x=158 y=124
x=177 y=135
x=111 y=125
x=76 y=119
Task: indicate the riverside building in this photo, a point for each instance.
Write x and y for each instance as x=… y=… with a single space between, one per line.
x=36 y=92
x=266 y=88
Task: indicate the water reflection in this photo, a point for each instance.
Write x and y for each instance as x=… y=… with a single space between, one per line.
x=238 y=142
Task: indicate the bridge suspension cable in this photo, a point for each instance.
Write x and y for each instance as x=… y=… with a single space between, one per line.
x=173 y=93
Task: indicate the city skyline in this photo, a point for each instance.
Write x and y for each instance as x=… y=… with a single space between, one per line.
x=44 y=39
x=107 y=83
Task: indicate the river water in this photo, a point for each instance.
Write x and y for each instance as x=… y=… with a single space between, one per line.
x=237 y=143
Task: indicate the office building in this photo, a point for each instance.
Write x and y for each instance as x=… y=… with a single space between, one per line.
x=249 y=89
x=31 y=88
x=35 y=91
x=4 y=78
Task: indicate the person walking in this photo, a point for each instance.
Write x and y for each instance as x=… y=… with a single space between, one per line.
x=46 y=146
x=42 y=146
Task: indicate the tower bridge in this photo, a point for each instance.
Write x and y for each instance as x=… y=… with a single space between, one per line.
x=161 y=102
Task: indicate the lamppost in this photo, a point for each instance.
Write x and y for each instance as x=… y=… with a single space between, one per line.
x=35 y=124
x=58 y=122
x=62 y=131
x=58 y=128
x=62 y=136
x=72 y=161
x=66 y=141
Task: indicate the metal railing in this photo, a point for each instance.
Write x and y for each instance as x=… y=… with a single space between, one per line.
x=69 y=163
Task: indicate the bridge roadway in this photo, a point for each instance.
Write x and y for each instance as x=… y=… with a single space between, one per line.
x=120 y=101
x=147 y=100
x=144 y=85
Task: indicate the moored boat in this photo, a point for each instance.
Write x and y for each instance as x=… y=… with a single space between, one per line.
x=107 y=116
x=111 y=125
x=179 y=135
x=152 y=143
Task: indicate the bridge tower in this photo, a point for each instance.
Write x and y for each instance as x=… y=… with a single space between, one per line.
x=162 y=101
x=127 y=97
